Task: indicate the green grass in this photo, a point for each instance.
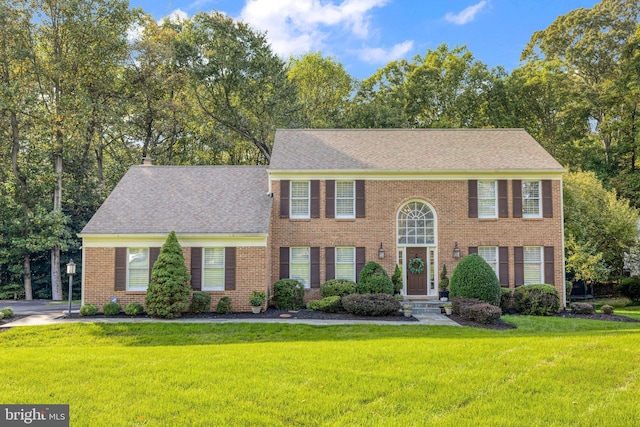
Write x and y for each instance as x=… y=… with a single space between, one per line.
x=621 y=305
x=549 y=371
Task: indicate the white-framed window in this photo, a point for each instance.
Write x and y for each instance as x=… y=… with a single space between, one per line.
x=533 y=265
x=346 y=263
x=487 y=199
x=300 y=199
x=416 y=224
x=490 y=255
x=531 y=200
x=213 y=269
x=137 y=269
x=345 y=199
x=300 y=265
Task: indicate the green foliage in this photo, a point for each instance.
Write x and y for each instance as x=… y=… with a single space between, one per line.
x=537 y=300
x=328 y=304
x=475 y=310
x=7 y=312
x=374 y=279
x=370 y=304
x=133 y=309
x=474 y=278
x=169 y=290
x=506 y=299
x=630 y=288
x=606 y=309
x=396 y=279
x=224 y=305
x=111 y=309
x=582 y=308
x=257 y=299
x=444 y=280
x=88 y=310
x=339 y=287
x=288 y=294
x=200 y=302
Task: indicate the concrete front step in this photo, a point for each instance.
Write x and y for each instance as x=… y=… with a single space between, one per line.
x=424 y=306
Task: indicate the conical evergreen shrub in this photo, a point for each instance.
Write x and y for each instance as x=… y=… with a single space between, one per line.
x=169 y=291
x=474 y=278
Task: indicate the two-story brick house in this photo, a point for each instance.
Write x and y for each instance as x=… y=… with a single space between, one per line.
x=331 y=200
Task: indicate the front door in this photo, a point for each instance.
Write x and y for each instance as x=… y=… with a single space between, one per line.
x=417 y=283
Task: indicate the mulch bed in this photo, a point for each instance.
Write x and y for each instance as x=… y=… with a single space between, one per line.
x=597 y=316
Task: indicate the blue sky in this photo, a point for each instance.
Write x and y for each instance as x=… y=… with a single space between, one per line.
x=364 y=35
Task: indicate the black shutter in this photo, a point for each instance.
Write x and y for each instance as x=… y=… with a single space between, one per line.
x=315 y=267
x=284 y=198
x=360 y=260
x=503 y=268
x=547 y=199
x=516 y=185
x=284 y=263
x=518 y=262
x=153 y=256
x=230 y=269
x=360 y=199
x=314 y=204
x=121 y=269
x=503 y=200
x=196 y=269
x=473 y=198
x=549 y=266
x=330 y=260
x=330 y=205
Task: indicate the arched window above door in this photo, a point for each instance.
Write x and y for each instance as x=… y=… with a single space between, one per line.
x=416 y=224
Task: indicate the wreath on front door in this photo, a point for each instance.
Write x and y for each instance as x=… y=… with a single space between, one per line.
x=416 y=265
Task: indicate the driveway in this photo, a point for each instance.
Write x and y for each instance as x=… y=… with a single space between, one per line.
x=41 y=306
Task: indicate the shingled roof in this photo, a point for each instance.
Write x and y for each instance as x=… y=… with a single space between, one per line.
x=417 y=150
x=186 y=199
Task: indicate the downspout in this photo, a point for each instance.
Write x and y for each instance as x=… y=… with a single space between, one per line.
x=564 y=285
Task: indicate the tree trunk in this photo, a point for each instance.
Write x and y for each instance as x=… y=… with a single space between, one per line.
x=56 y=280
x=26 y=269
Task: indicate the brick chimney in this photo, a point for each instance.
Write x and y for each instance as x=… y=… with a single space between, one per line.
x=147 y=161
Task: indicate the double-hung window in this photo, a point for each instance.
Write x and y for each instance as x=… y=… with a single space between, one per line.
x=137 y=269
x=345 y=199
x=490 y=255
x=213 y=269
x=487 y=199
x=531 y=200
x=300 y=265
x=533 y=265
x=300 y=200
x=346 y=263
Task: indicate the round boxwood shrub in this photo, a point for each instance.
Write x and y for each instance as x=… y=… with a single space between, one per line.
x=374 y=279
x=111 y=309
x=337 y=287
x=370 y=304
x=133 y=309
x=474 y=278
x=606 y=309
x=506 y=300
x=288 y=294
x=537 y=300
x=328 y=305
x=630 y=288
x=224 y=305
x=582 y=308
x=200 y=302
x=88 y=310
x=7 y=313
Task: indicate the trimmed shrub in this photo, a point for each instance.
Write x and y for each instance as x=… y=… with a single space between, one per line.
x=444 y=280
x=474 y=278
x=169 y=290
x=288 y=294
x=370 y=304
x=224 y=305
x=537 y=300
x=111 y=309
x=200 y=302
x=630 y=288
x=476 y=310
x=328 y=305
x=582 y=308
x=7 y=312
x=606 y=309
x=1 y=315
x=396 y=279
x=88 y=310
x=374 y=279
x=337 y=287
x=506 y=300
x=133 y=309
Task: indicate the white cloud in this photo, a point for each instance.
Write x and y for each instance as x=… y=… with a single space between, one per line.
x=299 y=26
x=176 y=15
x=378 y=55
x=466 y=15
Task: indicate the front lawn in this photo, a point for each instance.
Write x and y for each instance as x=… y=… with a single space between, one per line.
x=550 y=371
